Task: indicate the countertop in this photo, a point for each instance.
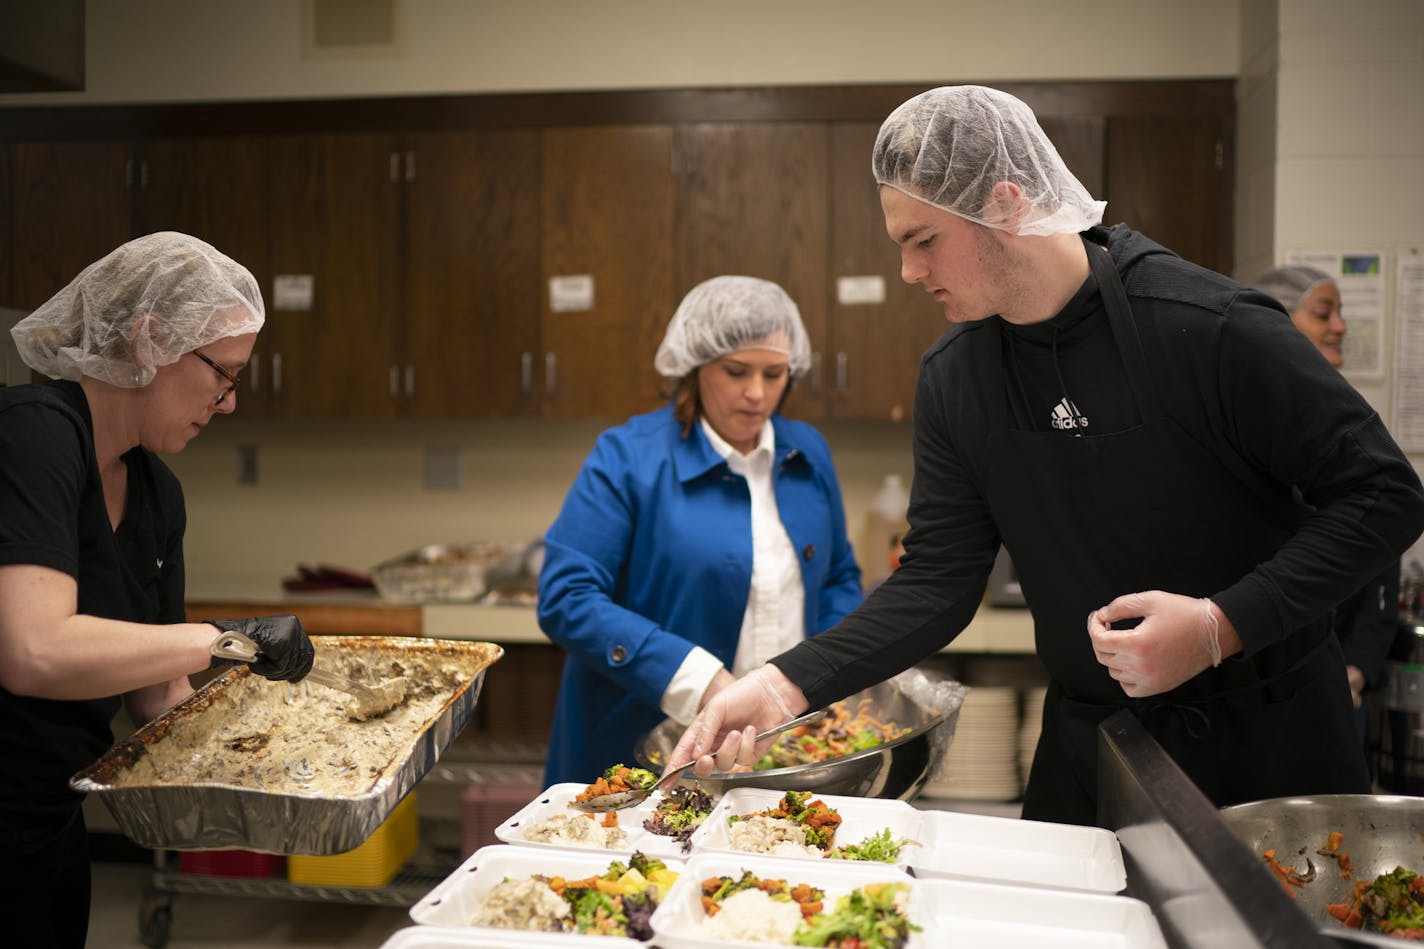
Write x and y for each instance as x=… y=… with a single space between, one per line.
x=993 y=629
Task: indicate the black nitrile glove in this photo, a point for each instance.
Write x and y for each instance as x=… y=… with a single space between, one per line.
x=285 y=652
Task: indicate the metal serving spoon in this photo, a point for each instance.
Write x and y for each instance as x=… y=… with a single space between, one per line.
x=622 y=799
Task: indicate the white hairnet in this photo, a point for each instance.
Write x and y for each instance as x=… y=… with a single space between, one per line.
x=949 y=146
x=725 y=314
x=1290 y=285
x=99 y=326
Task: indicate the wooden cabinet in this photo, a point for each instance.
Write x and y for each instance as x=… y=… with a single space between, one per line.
x=69 y=204
x=607 y=211
x=753 y=200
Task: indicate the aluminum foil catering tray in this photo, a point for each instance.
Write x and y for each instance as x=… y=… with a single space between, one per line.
x=279 y=768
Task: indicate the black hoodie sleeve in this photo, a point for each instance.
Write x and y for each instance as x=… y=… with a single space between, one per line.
x=934 y=593
x=1288 y=413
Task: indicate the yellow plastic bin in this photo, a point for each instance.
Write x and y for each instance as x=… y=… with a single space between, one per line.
x=371 y=864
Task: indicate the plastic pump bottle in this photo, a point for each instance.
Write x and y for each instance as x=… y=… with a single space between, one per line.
x=885 y=525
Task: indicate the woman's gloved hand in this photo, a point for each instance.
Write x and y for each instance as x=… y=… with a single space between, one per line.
x=285 y=651
x=1178 y=637
x=733 y=716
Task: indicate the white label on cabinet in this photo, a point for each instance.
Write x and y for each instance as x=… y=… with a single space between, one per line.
x=293 y=291
x=853 y=290
x=570 y=292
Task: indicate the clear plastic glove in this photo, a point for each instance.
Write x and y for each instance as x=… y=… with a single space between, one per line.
x=723 y=735
x=1179 y=637
x=720 y=681
x=285 y=650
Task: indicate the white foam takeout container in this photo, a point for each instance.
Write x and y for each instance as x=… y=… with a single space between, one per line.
x=555 y=800
x=677 y=920
x=438 y=937
x=1010 y=850
x=454 y=901
x=861 y=817
x=959 y=913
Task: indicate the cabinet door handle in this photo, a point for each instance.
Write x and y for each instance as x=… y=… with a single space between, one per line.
x=254 y=376
x=526 y=373
x=143 y=175
x=395 y=166
x=815 y=373
x=840 y=370
x=395 y=382
x=410 y=166
x=551 y=373
x=410 y=382
x=276 y=373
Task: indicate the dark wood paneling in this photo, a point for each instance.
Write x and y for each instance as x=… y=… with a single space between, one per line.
x=881 y=343
x=607 y=209
x=1166 y=178
x=70 y=204
x=637 y=107
x=752 y=200
x=472 y=271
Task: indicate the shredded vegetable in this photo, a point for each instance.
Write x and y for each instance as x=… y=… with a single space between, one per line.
x=841 y=732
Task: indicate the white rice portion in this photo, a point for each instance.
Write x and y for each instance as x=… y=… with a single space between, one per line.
x=773 y=835
x=577 y=832
x=753 y=916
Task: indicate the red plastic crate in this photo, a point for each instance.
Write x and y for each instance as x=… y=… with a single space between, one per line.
x=483 y=807
x=231 y=863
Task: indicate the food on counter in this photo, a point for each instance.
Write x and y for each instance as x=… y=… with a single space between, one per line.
x=298 y=738
x=578 y=830
x=881 y=848
x=619 y=902
x=680 y=812
x=616 y=780
x=816 y=821
x=757 y=910
x=841 y=732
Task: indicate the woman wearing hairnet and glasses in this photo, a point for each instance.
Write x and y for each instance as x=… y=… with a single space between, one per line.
x=143 y=348
x=697 y=540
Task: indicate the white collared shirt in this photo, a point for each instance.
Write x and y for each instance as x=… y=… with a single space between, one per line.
x=775 y=618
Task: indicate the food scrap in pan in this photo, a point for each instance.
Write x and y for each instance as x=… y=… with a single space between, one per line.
x=841 y=732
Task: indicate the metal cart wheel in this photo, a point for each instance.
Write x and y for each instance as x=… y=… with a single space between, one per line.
x=155 y=918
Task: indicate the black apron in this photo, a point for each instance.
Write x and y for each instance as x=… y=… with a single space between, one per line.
x=1089 y=518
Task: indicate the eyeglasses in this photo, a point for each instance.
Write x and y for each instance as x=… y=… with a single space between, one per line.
x=227 y=377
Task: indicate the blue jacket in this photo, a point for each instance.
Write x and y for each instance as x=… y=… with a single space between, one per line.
x=652 y=555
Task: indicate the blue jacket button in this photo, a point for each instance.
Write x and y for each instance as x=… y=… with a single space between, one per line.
x=618 y=654
x=809 y=552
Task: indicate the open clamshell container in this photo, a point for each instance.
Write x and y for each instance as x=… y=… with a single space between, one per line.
x=555 y=800
x=140 y=778
x=958 y=913
x=441 y=937
x=1009 y=850
x=678 y=922
x=861 y=817
x=452 y=904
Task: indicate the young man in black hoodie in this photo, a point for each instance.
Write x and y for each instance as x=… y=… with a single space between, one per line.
x=1185 y=485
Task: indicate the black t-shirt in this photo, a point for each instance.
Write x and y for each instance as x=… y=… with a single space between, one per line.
x=52 y=514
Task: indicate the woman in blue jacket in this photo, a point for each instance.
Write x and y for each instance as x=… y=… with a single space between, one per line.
x=697 y=540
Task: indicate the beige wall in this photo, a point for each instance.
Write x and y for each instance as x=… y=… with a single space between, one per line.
x=1331 y=152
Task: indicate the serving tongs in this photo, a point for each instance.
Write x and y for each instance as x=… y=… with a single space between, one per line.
x=369 y=701
x=622 y=799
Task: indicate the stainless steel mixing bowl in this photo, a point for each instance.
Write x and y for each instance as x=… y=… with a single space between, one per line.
x=1381 y=832
x=896 y=769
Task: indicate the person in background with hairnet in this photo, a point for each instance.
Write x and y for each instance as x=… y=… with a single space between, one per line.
x=1185 y=487
x=144 y=347
x=1367 y=621
x=698 y=540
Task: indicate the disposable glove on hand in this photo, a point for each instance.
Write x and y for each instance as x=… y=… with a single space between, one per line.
x=1179 y=637
x=733 y=716
x=285 y=650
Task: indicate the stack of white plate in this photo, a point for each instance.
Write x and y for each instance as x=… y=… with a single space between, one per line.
x=982 y=761
x=1029 y=728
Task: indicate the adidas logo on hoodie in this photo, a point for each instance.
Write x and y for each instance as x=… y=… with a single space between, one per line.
x=1066 y=416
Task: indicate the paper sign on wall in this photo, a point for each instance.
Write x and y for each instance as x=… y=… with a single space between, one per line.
x=571 y=292
x=860 y=290
x=293 y=291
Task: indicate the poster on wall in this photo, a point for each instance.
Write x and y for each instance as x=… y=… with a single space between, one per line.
x=1408 y=401
x=1360 y=277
